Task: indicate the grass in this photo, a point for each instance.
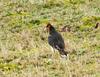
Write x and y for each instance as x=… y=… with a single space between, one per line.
x=24 y=51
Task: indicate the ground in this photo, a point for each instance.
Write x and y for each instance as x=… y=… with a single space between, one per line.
x=24 y=51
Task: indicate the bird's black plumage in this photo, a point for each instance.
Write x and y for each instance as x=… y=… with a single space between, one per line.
x=55 y=40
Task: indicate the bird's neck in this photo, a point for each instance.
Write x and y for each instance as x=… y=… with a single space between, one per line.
x=52 y=32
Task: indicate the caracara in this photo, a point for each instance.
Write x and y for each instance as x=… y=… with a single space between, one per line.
x=55 y=40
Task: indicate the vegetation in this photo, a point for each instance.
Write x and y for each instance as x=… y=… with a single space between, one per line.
x=24 y=51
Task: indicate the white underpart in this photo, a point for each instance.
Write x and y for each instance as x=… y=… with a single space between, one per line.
x=52 y=49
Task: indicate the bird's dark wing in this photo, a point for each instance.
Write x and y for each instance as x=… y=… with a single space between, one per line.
x=56 y=41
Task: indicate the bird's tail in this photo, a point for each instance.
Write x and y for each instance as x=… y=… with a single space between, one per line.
x=63 y=53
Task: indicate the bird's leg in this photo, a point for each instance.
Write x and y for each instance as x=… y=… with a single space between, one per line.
x=53 y=51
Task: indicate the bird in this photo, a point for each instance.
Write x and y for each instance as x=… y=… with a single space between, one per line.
x=97 y=25
x=55 y=40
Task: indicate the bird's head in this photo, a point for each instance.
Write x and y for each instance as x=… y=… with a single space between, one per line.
x=50 y=28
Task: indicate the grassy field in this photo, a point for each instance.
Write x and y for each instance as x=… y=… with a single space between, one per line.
x=24 y=51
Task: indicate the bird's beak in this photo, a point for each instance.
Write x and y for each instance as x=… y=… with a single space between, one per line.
x=45 y=29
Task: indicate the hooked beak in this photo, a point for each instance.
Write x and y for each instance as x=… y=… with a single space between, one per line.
x=45 y=29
